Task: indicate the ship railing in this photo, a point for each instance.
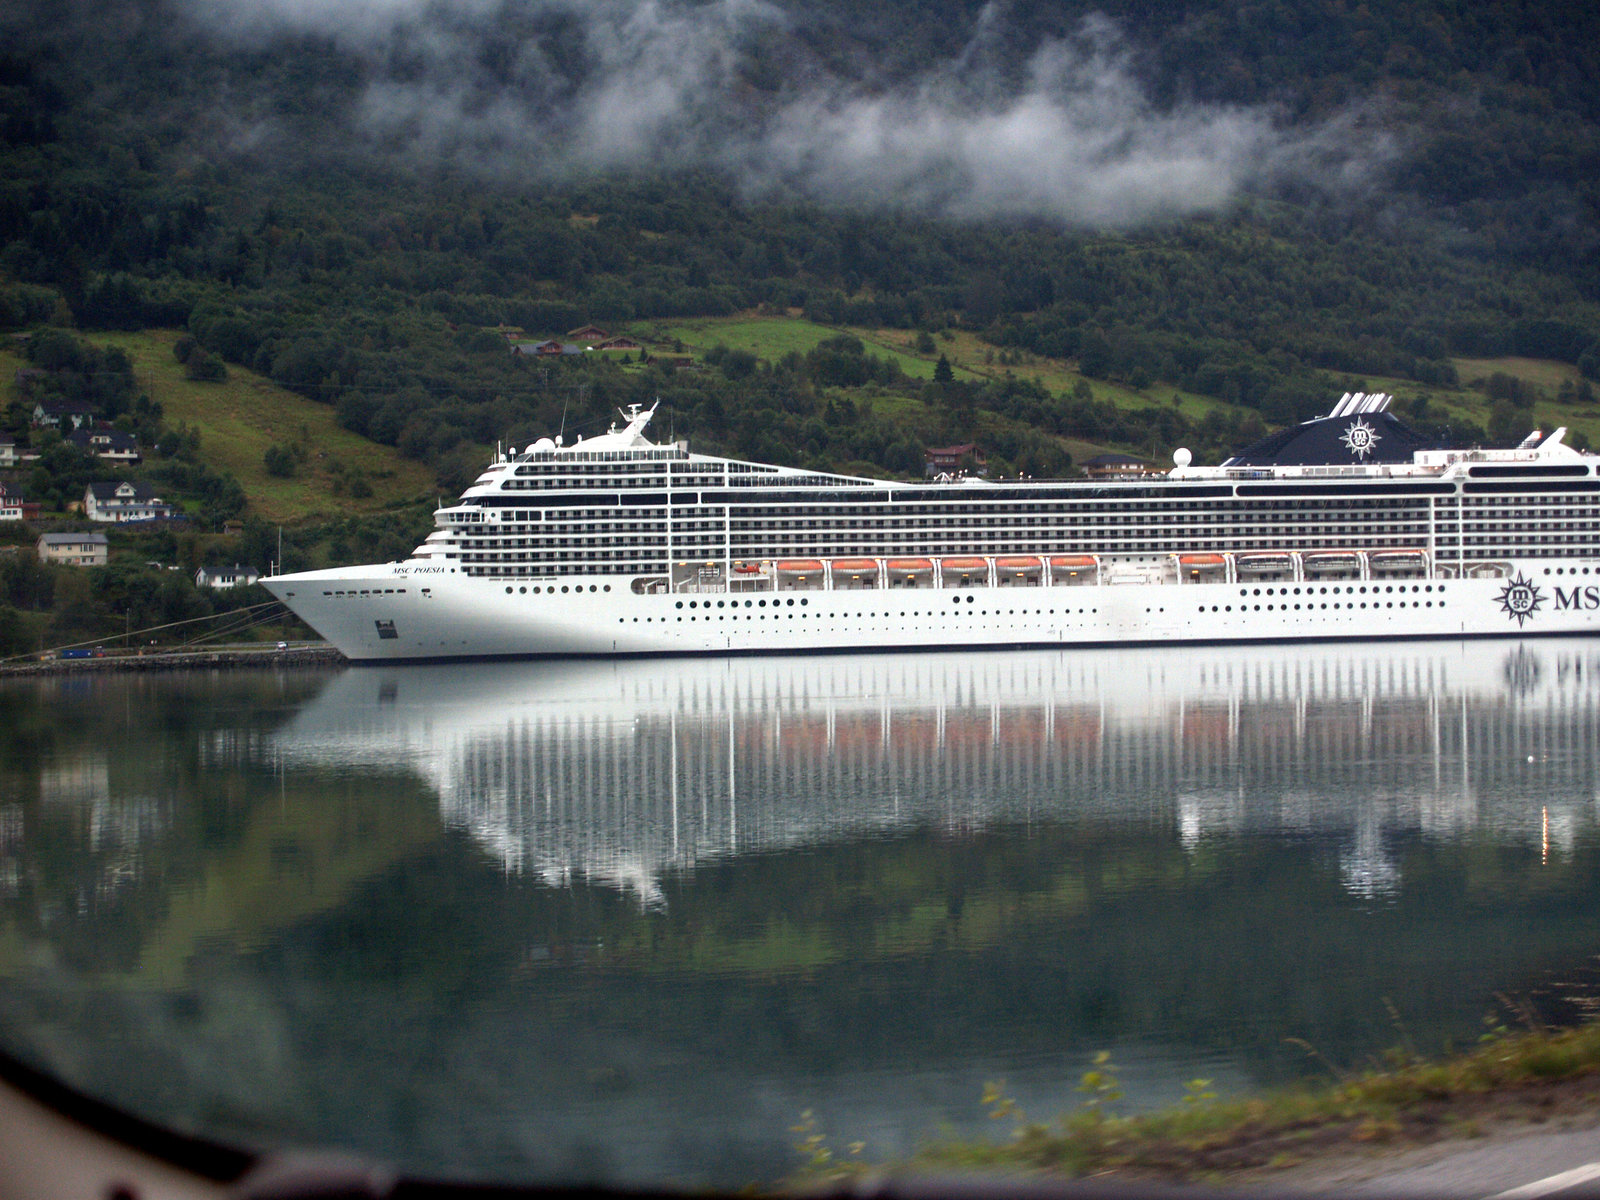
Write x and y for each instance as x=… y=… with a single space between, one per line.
x=698 y=577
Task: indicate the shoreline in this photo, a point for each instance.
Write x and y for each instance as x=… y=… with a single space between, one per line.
x=232 y=658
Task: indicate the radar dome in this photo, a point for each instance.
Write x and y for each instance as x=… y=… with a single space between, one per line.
x=543 y=444
x=1182 y=457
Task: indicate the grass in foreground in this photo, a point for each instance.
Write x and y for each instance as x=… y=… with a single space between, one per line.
x=1509 y=1076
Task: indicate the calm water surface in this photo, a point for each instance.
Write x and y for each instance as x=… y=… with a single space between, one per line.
x=627 y=921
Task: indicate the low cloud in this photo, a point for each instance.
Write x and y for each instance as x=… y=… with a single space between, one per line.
x=557 y=89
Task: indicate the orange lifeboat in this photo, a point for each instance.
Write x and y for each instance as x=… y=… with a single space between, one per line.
x=1072 y=561
x=910 y=564
x=800 y=566
x=1020 y=563
x=855 y=564
x=747 y=568
x=964 y=564
x=1201 y=560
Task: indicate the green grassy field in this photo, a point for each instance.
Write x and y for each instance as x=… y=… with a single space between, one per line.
x=240 y=418
x=1540 y=372
x=770 y=338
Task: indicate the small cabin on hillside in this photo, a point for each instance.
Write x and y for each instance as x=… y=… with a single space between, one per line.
x=1119 y=466
x=956 y=460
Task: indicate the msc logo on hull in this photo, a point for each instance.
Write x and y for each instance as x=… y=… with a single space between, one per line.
x=1521 y=598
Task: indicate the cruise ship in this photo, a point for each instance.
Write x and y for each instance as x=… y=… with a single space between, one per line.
x=1351 y=525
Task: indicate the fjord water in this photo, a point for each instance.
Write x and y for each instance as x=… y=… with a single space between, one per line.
x=627 y=921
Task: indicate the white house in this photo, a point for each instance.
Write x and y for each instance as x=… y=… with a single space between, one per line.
x=120 y=501
x=226 y=577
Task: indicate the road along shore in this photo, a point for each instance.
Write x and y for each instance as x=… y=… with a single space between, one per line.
x=222 y=658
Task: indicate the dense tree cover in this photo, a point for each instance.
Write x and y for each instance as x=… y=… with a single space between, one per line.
x=370 y=283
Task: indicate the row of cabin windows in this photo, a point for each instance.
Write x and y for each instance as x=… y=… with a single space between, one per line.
x=1563 y=546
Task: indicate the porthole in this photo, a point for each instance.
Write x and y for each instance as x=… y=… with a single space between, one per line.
x=563 y=589
x=679 y=604
x=523 y=590
x=508 y=591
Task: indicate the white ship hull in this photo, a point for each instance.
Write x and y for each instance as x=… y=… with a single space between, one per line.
x=617 y=546
x=413 y=611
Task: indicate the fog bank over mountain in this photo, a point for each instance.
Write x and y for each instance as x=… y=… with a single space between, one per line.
x=1065 y=130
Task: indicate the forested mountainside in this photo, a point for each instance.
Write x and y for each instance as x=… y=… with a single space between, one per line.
x=1259 y=204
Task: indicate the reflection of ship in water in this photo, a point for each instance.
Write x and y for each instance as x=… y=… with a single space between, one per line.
x=618 y=771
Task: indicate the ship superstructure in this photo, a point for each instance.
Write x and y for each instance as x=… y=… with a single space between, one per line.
x=1350 y=525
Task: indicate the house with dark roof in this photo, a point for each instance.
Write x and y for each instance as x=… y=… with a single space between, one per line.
x=588 y=333
x=55 y=415
x=13 y=455
x=14 y=508
x=954 y=460
x=1119 y=466
x=120 y=501
x=113 y=445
